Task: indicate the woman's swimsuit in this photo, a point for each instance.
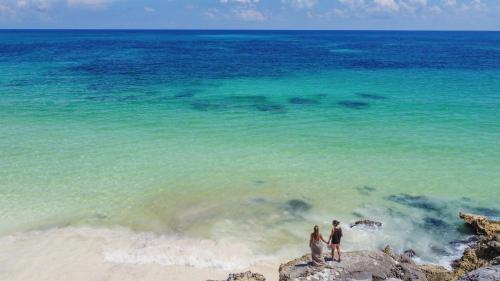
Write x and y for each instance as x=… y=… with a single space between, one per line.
x=337 y=234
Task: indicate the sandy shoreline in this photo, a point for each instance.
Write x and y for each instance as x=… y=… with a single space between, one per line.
x=87 y=254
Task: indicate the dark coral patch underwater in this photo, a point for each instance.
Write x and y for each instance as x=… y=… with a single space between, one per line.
x=297 y=205
x=419 y=201
x=302 y=101
x=354 y=104
x=271 y=108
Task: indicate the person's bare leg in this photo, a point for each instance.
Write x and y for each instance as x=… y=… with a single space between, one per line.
x=333 y=253
x=338 y=251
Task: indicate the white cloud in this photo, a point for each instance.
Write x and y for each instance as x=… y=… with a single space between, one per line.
x=417 y=2
x=387 y=5
x=212 y=13
x=38 y=5
x=22 y=4
x=239 y=1
x=436 y=9
x=249 y=15
x=240 y=9
x=301 y=4
x=6 y=12
x=88 y=3
x=149 y=9
x=414 y=8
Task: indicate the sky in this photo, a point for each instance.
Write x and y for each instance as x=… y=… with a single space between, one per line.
x=252 y=14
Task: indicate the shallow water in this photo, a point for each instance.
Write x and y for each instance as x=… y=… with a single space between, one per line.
x=251 y=137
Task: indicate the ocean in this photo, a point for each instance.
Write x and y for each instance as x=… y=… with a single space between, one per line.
x=249 y=138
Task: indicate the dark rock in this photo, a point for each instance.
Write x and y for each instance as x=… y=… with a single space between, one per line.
x=420 y=201
x=245 y=276
x=489 y=273
x=304 y=101
x=410 y=253
x=468 y=241
x=367 y=223
x=354 y=104
x=370 y=96
x=366 y=190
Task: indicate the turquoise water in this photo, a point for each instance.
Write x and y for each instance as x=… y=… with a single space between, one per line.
x=251 y=136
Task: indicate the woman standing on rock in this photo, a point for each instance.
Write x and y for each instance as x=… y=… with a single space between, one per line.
x=317 y=247
x=335 y=238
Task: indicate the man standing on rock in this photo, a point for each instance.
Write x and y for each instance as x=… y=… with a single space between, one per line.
x=334 y=239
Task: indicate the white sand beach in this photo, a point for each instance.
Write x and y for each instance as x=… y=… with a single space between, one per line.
x=88 y=254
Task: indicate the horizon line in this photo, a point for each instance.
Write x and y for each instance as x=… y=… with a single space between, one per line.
x=241 y=29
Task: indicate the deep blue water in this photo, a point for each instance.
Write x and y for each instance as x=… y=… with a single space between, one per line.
x=174 y=131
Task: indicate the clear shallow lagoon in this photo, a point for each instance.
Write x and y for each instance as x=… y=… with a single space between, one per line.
x=251 y=136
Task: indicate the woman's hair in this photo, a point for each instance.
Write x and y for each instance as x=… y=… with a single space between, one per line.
x=335 y=222
x=316 y=232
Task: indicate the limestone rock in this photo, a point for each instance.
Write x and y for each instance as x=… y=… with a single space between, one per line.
x=245 y=276
x=436 y=273
x=485 y=252
x=388 y=250
x=359 y=265
x=490 y=273
x=366 y=223
x=482 y=225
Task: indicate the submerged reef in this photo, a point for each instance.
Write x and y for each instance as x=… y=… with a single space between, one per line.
x=302 y=101
x=420 y=201
x=354 y=104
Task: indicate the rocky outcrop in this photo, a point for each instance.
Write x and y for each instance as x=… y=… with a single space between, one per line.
x=245 y=276
x=366 y=223
x=481 y=261
x=483 y=253
x=482 y=225
x=361 y=265
x=436 y=273
x=490 y=273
